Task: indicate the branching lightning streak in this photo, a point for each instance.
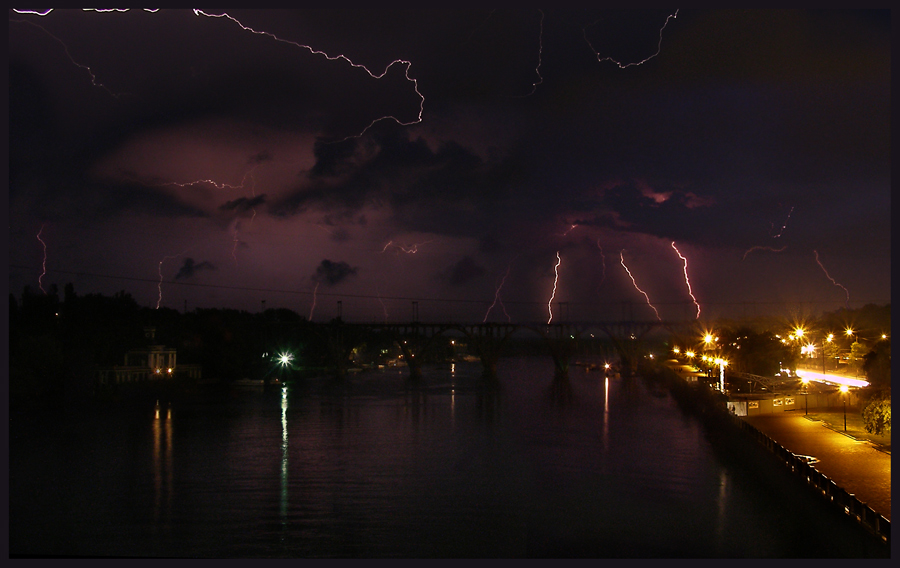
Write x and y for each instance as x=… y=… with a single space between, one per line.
x=603 y=265
x=570 y=229
x=751 y=249
x=234 y=249
x=44 y=264
x=784 y=225
x=199 y=12
x=313 y=307
x=87 y=68
x=159 y=268
x=407 y=249
x=622 y=260
x=497 y=298
x=686 y=279
x=408 y=64
x=383 y=307
x=555 y=281
x=214 y=183
x=623 y=66
x=537 y=69
x=830 y=278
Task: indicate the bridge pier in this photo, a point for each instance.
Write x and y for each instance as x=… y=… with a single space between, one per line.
x=562 y=341
x=488 y=341
x=409 y=355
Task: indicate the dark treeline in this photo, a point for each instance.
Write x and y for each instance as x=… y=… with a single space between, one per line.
x=57 y=344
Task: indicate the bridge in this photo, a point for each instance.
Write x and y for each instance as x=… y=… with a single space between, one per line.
x=416 y=339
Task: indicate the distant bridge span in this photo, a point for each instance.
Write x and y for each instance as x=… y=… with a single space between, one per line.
x=488 y=339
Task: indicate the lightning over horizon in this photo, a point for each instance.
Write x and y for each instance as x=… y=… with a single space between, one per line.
x=312 y=308
x=833 y=281
x=751 y=249
x=44 y=262
x=497 y=298
x=686 y=279
x=502 y=133
x=555 y=281
x=626 y=65
x=159 y=269
x=636 y=287
x=602 y=265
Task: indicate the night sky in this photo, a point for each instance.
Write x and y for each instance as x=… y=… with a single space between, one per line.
x=301 y=158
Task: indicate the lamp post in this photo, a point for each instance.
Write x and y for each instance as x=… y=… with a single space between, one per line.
x=806 y=394
x=844 y=390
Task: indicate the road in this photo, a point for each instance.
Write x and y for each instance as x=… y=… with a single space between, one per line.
x=852 y=464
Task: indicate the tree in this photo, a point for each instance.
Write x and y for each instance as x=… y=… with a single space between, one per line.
x=877 y=365
x=876 y=413
x=857 y=353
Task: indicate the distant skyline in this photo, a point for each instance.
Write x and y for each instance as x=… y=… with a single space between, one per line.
x=479 y=163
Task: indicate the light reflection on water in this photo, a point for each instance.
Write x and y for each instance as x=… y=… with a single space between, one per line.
x=377 y=468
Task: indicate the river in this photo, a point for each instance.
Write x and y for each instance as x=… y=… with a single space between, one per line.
x=379 y=468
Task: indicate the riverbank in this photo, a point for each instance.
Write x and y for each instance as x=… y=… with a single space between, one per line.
x=833 y=418
x=738 y=447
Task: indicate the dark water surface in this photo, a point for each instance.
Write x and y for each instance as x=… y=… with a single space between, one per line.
x=379 y=468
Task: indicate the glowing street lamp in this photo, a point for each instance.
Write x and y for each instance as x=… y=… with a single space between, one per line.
x=722 y=363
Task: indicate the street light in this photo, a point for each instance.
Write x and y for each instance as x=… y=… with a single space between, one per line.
x=844 y=390
x=805 y=382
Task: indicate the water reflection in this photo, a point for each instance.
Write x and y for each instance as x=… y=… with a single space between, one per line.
x=560 y=391
x=722 y=503
x=284 y=457
x=605 y=414
x=162 y=463
x=451 y=468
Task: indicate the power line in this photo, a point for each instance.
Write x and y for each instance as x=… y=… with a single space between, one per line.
x=406 y=298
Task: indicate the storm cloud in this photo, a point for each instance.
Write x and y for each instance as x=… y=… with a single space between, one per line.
x=331 y=273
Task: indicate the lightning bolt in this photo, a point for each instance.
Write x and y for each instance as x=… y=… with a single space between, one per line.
x=751 y=249
x=313 y=307
x=686 y=279
x=407 y=249
x=383 y=307
x=830 y=278
x=555 y=281
x=214 y=183
x=198 y=12
x=626 y=65
x=87 y=68
x=497 y=298
x=44 y=264
x=569 y=230
x=622 y=260
x=602 y=264
x=234 y=249
x=313 y=51
x=784 y=225
x=537 y=70
x=159 y=268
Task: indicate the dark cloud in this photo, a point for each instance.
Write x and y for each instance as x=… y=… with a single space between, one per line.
x=331 y=273
x=243 y=205
x=463 y=271
x=525 y=129
x=260 y=157
x=189 y=268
